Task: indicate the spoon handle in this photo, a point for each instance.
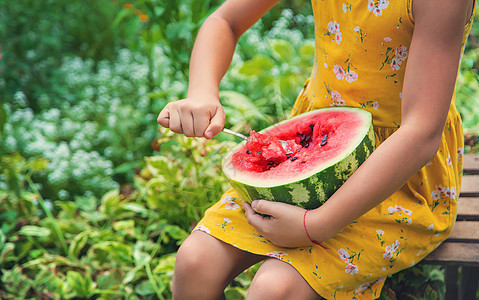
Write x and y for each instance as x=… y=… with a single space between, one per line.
x=235 y=133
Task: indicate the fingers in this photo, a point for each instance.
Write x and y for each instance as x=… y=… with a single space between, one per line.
x=254 y=219
x=164 y=117
x=216 y=124
x=193 y=119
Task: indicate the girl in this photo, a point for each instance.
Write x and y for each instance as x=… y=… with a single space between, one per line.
x=397 y=59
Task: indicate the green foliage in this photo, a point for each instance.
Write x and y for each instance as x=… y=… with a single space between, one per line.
x=419 y=282
x=36 y=35
x=93 y=129
x=121 y=246
x=88 y=208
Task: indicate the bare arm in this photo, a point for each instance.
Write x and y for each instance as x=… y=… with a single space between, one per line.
x=428 y=87
x=201 y=113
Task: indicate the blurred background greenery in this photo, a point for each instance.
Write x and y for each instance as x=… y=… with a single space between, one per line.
x=95 y=198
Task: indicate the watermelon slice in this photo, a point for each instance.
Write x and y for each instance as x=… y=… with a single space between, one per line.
x=324 y=147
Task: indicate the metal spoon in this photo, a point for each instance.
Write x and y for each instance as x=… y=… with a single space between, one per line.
x=283 y=143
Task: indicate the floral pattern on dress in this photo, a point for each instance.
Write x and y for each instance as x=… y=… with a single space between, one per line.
x=360 y=61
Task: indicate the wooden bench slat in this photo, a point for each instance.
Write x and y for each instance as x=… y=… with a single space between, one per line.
x=450 y=253
x=465 y=231
x=471 y=164
x=470 y=186
x=468 y=208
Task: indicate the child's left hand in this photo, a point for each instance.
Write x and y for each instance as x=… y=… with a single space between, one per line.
x=283 y=226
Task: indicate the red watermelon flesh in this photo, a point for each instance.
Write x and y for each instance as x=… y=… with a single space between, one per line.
x=316 y=138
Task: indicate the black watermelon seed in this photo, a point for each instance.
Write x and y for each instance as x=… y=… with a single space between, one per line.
x=288 y=157
x=294 y=158
x=270 y=162
x=306 y=145
x=302 y=138
x=289 y=152
x=308 y=138
x=324 y=142
x=311 y=126
x=247 y=151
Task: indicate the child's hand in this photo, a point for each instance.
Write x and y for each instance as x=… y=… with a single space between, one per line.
x=193 y=118
x=283 y=226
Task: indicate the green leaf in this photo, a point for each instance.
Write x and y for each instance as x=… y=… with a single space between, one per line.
x=176 y=232
x=179 y=30
x=141 y=258
x=109 y=279
x=145 y=288
x=78 y=243
x=3 y=118
x=256 y=66
x=124 y=225
x=282 y=50
x=306 y=51
x=79 y=283
x=110 y=203
x=31 y=230
x=86 y=203
x=135 y=207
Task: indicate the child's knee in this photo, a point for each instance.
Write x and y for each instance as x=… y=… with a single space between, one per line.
x=190 y=255
x=271 y=285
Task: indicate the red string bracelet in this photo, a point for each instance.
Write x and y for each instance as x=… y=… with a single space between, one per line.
x=306 y=230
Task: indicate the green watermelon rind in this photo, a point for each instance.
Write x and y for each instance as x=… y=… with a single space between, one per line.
x=313 y=191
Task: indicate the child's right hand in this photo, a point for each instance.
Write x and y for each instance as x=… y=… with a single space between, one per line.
x=193 y=117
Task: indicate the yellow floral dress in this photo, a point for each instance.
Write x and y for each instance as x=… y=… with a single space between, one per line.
x=361 y=54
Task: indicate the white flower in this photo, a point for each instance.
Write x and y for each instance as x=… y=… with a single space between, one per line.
x=351 y=269
x=227 y=220
x=276 y=254
x=376 y=105
x=331 y=28
x=388 y=253
x=335 y=95
x=452 y=193
x=383 y=4
x=409 y=221
x=387 y=39
x=226 y=199
x=343 y=255
x=401 y=52
x=339 y=37
x=232 y=205
x=202 y=228
x=371 y=5
x=377 y=11
x=406 y=211
x=351 y=76
x=395 y=245
x=394 y=209
x=380 y=232
x=435 y=195
x=460 y=152
x=430 y=227
x=345 y=8
x=339 y=71
x=336 y=26
x=326 y=65
x=356 y=28
x=395 y=64
x=449 y=160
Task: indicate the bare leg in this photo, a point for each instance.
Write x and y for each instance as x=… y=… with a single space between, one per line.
x=205 y=266
x=279 y=280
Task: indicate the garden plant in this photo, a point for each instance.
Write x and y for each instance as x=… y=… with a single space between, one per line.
x=95 y=198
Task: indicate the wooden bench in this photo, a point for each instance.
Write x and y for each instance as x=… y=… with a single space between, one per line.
x=461 y=250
